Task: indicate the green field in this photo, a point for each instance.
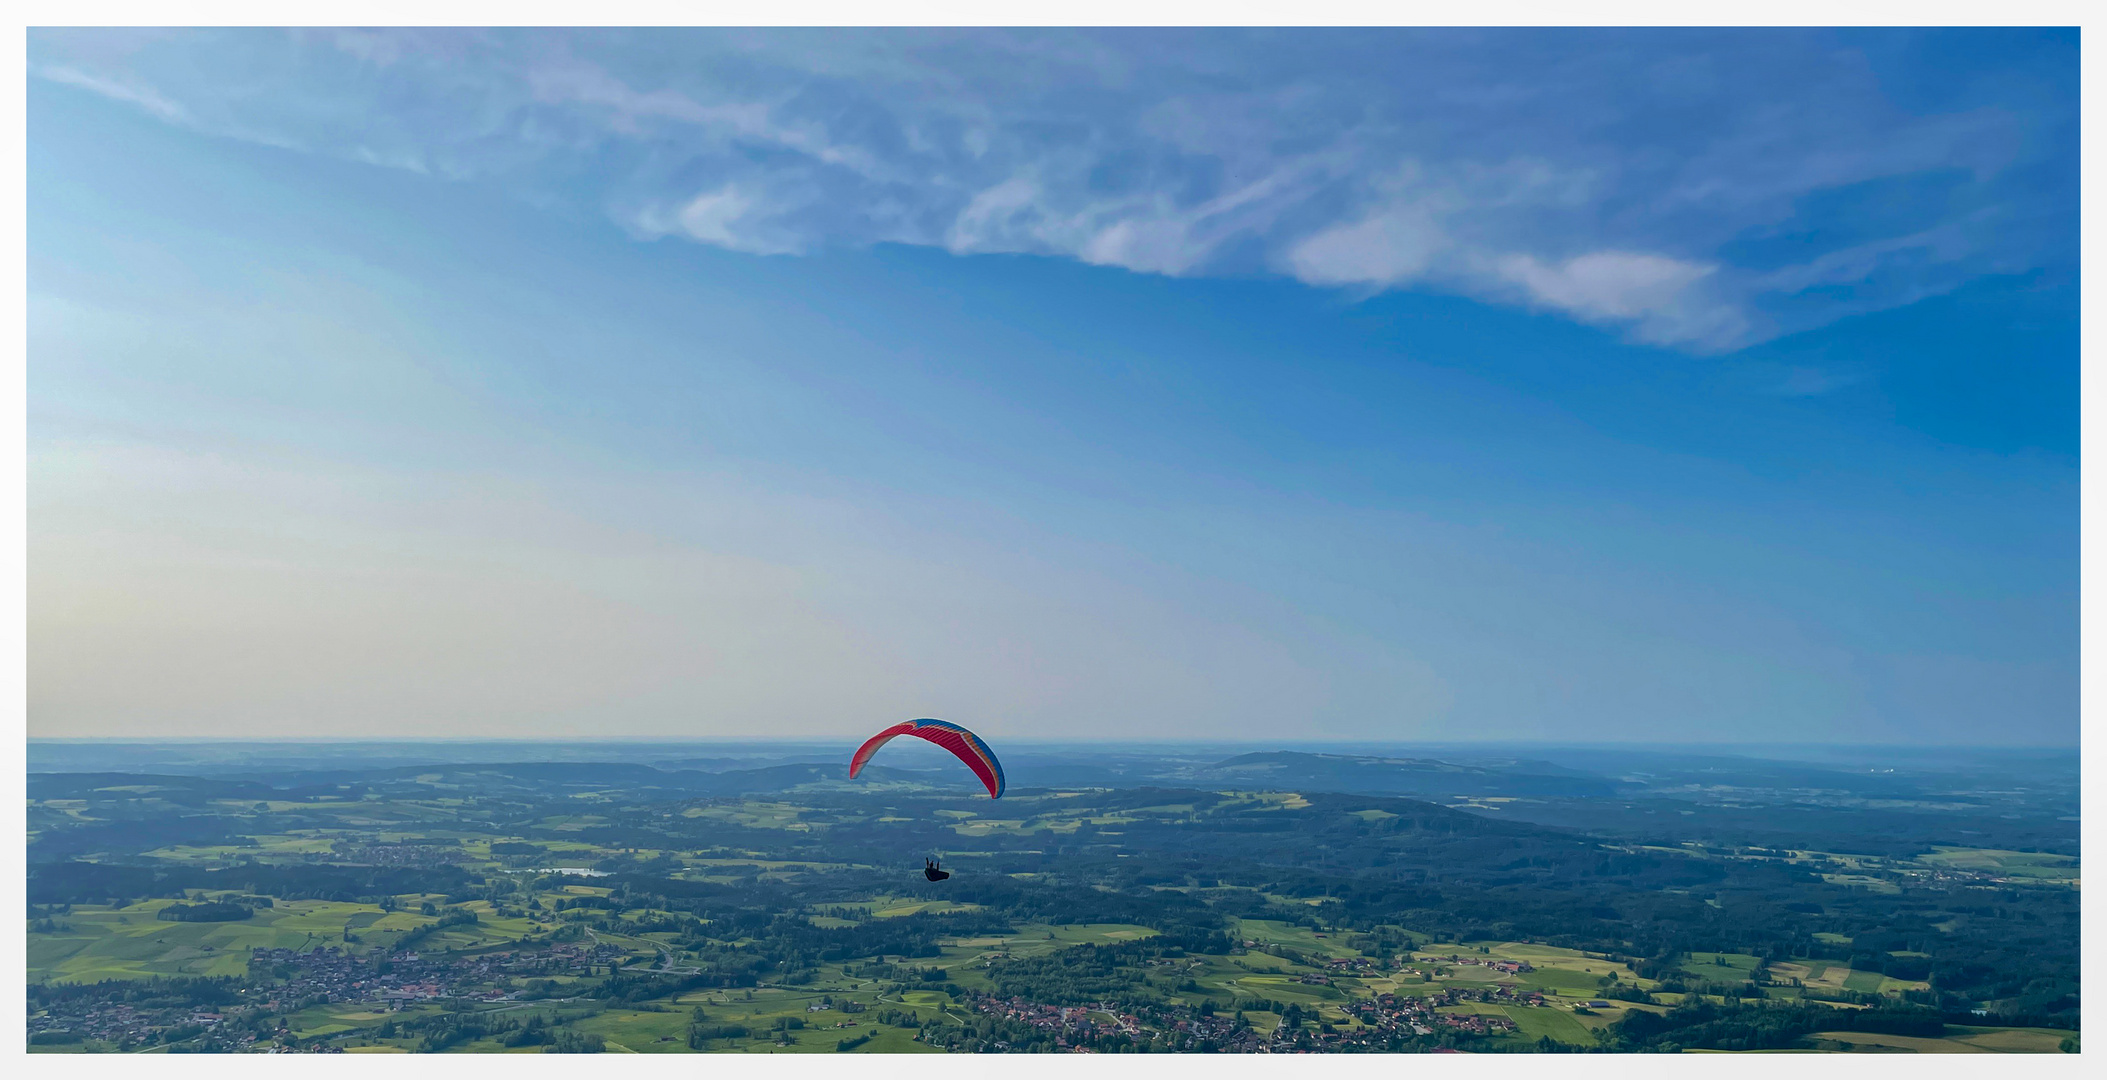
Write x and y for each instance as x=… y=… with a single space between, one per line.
x=1960 y=1040
x=1548 y=1023
x=709 y=892
x=1868 y=982
x=664 y=1029
x=1721 y=967
x=130 y=943
x=1301 y=939
x=2016 y=864
x=1831 y=976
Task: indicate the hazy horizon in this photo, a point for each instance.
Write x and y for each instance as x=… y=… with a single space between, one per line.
x=1460 y=750
x=1637 y=387
x=1034 y=741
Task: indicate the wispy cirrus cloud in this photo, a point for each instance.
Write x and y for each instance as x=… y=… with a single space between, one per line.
x=116 y=90
x=1675 y=186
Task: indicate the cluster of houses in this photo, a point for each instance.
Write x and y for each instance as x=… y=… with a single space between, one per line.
x=334 y=975
x=1381 y=1018
x=1423 y=1016
x=89 y=1019
x=560 y=958
x=1511 y=967
x=1076 y=1026
x=330 y=975
x=370 y=854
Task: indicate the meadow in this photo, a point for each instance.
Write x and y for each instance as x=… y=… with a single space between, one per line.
x=632 y=914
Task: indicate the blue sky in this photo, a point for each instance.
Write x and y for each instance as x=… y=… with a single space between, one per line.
x=1578 y=385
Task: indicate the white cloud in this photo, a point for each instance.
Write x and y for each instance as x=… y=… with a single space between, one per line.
x=1606 y=284
x=1659 y=297
x=730 y=218
x=990 y=215
x=115 y=89
x=1621 y=183
x=1396 y=247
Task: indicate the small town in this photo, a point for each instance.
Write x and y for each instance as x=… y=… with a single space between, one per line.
x=322 y=976
x=1382 y=1021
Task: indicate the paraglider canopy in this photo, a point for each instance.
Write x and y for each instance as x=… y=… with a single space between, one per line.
x=966 y=745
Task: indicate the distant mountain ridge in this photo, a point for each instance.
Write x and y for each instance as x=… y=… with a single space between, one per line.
x=1398 y=776
x=581 y=775
x=1266 y=770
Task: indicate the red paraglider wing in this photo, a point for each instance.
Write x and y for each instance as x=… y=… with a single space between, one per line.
x=952 y=737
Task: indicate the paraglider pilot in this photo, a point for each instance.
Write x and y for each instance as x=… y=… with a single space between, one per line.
x=930 y=871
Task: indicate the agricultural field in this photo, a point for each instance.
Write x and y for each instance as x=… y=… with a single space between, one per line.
x=2005 y=864
x=474 y=912
x=1822 y=975
x=131 y=942
x=1962 y=1040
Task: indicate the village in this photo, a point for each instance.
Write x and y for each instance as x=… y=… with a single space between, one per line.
x=322 y=976
x=333 y=976
x=1382 y=1020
